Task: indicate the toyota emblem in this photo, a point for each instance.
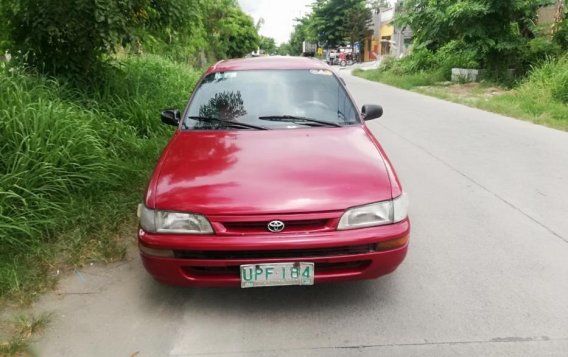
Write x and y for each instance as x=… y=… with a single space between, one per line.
x=276 y=226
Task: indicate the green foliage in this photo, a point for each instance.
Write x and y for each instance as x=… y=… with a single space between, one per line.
x=129 y=90
x=456 y=54
x=561 y=34
x=220 y=30
x=284 y=49
x=67 y=37
x=421 y=60
x=406 y=81
x=174 y=29
x=332 y=23
x=358 y=19
x=335 y=21
x=4 y=38
x=72 y=38
x=541 y=98
x=49 y=149
x=268 y=45
x=549 y=80
x=541 y=48
x=237 y=35
x=494 y=33
x=300 y=34
x=439 y=63
x=19 y=332
x=73 y=161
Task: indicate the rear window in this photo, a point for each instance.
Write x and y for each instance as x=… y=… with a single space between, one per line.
x=245 y=96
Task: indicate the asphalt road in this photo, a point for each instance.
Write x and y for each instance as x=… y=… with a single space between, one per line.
x=486 y=275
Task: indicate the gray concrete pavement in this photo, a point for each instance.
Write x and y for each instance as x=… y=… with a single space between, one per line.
x=487 y=273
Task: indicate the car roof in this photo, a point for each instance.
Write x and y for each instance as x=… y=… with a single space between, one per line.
x=271 y=62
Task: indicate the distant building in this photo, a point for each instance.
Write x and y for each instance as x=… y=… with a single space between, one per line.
x=402 y=40
x=371 y=45
x=386 y=39
x=386 y=31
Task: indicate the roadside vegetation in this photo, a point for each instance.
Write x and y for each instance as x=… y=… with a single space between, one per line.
x=538 y=97
x=80 y=131
x=74 y=162
x=525 y=63
x=79 y=121
x=20 y=331
x=332 y=23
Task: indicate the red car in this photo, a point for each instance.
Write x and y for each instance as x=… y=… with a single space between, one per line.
x=272 y=178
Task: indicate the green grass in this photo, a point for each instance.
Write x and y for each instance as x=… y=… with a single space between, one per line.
x=73 y=165
x=16 y=334
x=516 y=104
x=542 y=97
x=405 y=81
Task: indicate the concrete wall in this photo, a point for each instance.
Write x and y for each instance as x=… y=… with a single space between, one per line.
x=546 y=15
x=466 y=75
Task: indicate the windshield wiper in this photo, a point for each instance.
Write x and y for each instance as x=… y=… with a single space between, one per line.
x=229 y=123
x=297 y=119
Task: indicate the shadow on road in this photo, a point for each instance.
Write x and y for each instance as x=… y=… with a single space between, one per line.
x=293 y=299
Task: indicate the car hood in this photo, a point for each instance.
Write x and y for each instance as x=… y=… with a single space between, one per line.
x=272 y=171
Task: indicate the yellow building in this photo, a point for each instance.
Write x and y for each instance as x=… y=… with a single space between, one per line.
x=386 y=33
x=378 y=42
x=371 y=49
x=372 y=41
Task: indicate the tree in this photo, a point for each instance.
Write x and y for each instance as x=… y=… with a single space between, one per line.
x=267 y=44
x=71 y=38
x=66 y=37
x=284 y=49
x=328 y=21
x=335 y=22
x=230 y=32
x=497 y=30
x=561 y=26
x=300 y=34
x=358 y=20
x=238 y=34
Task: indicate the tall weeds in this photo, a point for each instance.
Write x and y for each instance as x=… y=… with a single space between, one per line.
x=75 y=160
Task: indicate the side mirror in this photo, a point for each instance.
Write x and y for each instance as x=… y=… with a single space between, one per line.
x=371 y=111
x=171 y=117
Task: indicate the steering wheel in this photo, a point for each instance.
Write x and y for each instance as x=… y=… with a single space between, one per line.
x=315 y=103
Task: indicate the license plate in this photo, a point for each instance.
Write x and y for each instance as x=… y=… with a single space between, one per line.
x=277 y=274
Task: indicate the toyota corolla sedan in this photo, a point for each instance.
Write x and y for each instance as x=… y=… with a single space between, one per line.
x=272 y=178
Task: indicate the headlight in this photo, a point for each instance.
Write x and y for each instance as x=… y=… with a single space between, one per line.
x=156 y=221
x=375 y=214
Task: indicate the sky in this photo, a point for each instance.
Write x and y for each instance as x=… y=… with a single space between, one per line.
x=278 y=15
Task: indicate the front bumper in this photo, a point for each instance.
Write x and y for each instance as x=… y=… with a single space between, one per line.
x=198 y=262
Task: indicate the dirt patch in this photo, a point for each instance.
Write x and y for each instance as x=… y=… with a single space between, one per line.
x=464 y=91
x=17 y=332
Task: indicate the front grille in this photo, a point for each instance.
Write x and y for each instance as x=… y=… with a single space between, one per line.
x=318 y=267
x=291 y=226
x=271 y=254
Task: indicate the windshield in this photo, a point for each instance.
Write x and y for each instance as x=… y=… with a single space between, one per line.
x=285 y=96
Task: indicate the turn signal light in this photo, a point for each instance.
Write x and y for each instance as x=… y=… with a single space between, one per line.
x=162 y=253
x=392 y=244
